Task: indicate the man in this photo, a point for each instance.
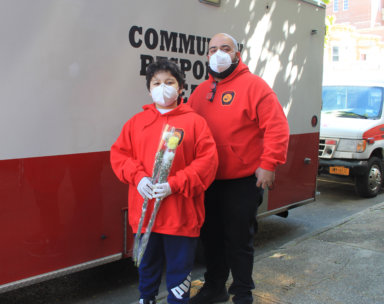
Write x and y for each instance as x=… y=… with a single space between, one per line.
x=251 y=133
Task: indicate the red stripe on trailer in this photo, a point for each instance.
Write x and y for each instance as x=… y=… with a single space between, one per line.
x=58 y=211
x=296 y=180
x=61 y=211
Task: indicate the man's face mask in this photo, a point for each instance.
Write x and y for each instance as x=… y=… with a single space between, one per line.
x=220 y=61
x=164 y=95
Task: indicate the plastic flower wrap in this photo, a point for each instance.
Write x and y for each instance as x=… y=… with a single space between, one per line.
x=161 y=168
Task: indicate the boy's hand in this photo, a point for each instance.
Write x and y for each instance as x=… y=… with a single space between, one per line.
x=145 y=188
x=161 y=191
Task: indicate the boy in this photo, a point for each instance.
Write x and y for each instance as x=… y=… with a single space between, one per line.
x=175 y=232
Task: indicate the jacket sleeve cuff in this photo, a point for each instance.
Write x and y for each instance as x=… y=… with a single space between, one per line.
x=173 y=184
x=267 y=166
x=139 y=176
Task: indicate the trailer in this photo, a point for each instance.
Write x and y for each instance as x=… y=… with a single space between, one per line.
x=72 y=72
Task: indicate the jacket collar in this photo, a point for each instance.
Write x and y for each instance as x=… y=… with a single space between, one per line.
x=153 y=114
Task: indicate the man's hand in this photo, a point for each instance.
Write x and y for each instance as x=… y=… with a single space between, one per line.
x=265 y=178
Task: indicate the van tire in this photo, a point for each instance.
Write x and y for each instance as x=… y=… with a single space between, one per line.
x=369 y=184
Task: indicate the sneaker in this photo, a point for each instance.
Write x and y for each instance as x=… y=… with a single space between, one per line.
x=144 y=301
x=208 y=295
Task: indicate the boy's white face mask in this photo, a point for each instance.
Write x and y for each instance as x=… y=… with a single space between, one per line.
x=164 y=95
x=220 y=61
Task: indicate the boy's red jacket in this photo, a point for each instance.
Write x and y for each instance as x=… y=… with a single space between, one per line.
x=193 y=170
x=247 y=122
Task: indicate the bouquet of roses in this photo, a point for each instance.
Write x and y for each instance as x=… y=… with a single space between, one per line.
x=161 y=168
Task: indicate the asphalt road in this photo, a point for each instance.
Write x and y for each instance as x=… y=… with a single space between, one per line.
x=116 y=283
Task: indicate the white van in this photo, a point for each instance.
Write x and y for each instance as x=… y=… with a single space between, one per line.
x=352 y=133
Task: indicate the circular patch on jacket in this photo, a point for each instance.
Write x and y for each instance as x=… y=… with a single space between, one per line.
x=227 y=98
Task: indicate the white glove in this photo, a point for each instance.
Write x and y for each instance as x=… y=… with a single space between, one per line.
x=161 y=191
x=145 y=188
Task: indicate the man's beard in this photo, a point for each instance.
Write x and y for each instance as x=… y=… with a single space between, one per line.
x=225 y=73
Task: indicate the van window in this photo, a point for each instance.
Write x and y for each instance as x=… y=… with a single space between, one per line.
x=353 y=101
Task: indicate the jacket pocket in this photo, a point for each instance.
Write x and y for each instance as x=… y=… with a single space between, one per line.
x=229 y=162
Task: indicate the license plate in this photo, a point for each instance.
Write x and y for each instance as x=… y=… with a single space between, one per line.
x=339 y=170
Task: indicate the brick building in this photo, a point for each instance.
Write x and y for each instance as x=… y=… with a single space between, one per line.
x=356 y=36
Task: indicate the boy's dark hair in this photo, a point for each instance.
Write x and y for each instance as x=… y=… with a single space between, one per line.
x=167 y=66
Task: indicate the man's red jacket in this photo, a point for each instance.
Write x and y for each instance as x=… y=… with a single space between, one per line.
x=246 y=120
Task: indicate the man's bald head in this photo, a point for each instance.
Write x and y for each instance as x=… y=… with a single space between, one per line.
x=222 y=39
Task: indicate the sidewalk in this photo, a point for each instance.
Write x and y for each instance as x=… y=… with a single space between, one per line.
x=343 y=263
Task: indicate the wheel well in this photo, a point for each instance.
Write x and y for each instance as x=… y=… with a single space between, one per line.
x=378 y=153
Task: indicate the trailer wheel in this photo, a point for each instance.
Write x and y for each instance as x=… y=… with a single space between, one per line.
x=369 y=184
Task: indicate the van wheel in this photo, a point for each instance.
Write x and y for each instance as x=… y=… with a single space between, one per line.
x=369 y=184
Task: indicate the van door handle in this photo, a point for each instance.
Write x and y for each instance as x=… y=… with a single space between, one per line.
x=307 y=161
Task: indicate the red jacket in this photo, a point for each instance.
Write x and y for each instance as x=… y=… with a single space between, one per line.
x=193 y=170
x=247 y=122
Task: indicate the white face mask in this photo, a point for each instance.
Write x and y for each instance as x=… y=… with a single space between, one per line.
x=164 y=95
x=220 y=61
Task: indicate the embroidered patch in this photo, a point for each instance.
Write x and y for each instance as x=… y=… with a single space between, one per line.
x=227 y=98
x=180 y=134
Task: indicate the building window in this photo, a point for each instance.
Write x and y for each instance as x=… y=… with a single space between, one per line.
x=345 y=5
x=336 y=5
x=335 y=53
